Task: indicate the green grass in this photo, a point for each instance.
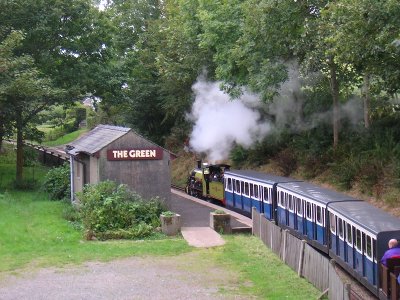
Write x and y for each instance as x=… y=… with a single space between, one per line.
x=33 y=232
x=262 y=273
x=69 y=137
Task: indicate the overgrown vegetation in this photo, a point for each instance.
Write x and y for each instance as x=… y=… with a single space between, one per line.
x=112 y=211
x=57 y=183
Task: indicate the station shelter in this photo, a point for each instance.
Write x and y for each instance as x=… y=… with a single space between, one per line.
x=121 y=155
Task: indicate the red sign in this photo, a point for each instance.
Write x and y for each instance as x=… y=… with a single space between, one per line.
x=135 y=154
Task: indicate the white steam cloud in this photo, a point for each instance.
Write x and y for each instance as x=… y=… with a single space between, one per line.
x=220 y=122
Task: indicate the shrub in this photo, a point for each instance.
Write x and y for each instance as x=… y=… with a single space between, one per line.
x=57 y=183
x=287 y=161
x=345 y=172
x=109 y=210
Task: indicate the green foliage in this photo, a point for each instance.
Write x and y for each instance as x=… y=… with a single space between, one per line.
x=25 y=184
x=111 y=210
x=30 y=156
x=168 y=213
x=33 y=233
x=286 y=161
x=57 y=183
x=238 y=156
x=345 y=172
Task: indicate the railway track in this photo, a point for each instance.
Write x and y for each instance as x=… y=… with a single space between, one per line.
x=177 y=187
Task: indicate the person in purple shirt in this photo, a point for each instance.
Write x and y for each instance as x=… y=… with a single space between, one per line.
x=393 y=251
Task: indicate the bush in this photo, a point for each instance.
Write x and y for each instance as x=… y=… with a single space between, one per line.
x=345 y=172
x=287 y=161
x=57 y=183
x=109 y=210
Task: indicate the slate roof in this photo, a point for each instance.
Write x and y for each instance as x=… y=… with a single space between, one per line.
x=96 y=139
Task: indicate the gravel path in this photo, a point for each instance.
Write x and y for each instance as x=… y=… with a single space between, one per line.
x=187 y=276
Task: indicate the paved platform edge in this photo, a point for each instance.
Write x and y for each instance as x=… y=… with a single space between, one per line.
x=245 y=220
x=202 y=237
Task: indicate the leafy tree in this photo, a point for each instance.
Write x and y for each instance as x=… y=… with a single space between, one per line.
x=365 y=37
x=24 y=92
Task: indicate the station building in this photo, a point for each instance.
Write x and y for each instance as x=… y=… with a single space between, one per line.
x=121 y=155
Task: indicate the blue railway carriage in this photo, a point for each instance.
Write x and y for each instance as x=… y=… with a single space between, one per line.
x=359 y=235
x=302 y=208
x=245 y=189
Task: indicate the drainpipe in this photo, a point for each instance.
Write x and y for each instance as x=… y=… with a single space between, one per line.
x=71 y=166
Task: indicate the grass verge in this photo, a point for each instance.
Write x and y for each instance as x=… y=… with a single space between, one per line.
x=65 y=139
x=261 y=272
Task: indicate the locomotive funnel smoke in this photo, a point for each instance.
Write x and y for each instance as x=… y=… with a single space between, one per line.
x=220 y=122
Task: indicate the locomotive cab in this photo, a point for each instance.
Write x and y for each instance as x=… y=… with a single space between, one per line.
x=207 y=182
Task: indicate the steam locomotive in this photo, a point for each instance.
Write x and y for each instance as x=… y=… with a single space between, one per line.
x=352 y=232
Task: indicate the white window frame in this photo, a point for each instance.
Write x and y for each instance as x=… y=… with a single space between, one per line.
x=309 y=204
x=368 y=237
x=237 y=183
x=301 y=213
x=320 y=210
x=256 y=191
x=332 y=226
x=227 y=184
x=266 y=196
x=359 y=250
x=340 y=224
x=291 y=203
x=350 y=243
x=246 y=190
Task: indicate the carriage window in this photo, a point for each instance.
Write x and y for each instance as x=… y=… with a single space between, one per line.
x=229 y=187
x=290 y=202
x=246 y=188
x=374 y=249
x=332 y=220
x=255 y=191
x=349 y=234
x=237 y=186
x=266 y=195
x=358 y=240
x=281 y=200
x=368 y=249
x=299 y=207
x=251 y=190
x=340 y=227
x=308 y=210
x=319 y=215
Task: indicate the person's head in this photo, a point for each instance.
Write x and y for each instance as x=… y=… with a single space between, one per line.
x=393 y=243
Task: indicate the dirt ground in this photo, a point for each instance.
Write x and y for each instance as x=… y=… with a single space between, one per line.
x=186 y=276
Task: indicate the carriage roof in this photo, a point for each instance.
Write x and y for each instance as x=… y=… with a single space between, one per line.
x=367 y=216
x=314 y=192
x=258 y=176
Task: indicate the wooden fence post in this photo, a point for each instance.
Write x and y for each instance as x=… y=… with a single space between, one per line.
x=301 y=259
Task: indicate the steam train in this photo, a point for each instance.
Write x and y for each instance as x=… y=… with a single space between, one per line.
x=352 y=232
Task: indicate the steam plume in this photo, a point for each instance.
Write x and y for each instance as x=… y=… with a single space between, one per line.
x=220 y=123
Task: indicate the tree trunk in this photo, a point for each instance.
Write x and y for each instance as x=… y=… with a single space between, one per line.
x=20 y=149
x=366 y=100
x=335 y=97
